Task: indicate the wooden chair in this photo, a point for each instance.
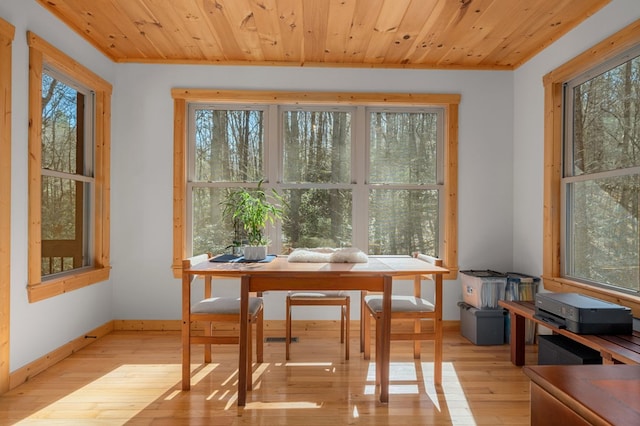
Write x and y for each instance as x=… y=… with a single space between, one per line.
x=321 y=298
x=408 y=307
x=211 y=310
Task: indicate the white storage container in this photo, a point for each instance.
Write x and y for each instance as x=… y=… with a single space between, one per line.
x=483 y=289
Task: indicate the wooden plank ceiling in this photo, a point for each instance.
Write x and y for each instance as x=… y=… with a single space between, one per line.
x=460 y=34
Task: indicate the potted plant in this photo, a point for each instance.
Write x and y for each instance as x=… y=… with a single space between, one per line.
x=252 y=209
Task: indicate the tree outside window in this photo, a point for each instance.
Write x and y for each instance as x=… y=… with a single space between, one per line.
x=400 y=182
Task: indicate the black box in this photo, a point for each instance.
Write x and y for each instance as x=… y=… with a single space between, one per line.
x=556 y=349
x=482 y=326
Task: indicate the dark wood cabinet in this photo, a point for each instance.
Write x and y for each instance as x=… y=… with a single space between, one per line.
x=584 y=394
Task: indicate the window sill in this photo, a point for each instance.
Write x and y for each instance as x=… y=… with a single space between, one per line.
x=67 y=283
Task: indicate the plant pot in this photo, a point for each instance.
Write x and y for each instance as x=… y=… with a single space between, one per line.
x=255 y=252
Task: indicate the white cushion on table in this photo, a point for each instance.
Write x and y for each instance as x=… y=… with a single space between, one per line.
x=328 y=255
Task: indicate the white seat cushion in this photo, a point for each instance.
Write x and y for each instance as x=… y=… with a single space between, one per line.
x=400 y=304
x=317 y=295
x=225 y=306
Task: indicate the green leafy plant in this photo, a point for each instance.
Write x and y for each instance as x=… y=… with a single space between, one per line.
x=252 y=209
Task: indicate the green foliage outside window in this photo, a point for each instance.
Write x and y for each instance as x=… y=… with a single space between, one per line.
x=315 y=150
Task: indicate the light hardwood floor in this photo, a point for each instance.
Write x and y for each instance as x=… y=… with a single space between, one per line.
x=133 y=378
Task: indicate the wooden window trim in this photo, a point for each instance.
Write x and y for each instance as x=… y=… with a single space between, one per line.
x=41 y=53
x=7 y=32
x=449 y=101
x=552 y=237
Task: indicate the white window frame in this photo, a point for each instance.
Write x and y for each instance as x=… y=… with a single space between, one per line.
x=359 y=183
x=86 y=175
x=568 y=176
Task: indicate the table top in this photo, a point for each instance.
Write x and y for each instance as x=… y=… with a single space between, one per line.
x=376 y=266
x=599 y=393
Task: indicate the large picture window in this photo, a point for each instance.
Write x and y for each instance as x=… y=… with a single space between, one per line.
x=602 y=174
x=592 y=172
x=68 y=173
x=354 y=174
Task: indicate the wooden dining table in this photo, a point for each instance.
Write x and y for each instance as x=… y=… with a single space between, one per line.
x=279 y=274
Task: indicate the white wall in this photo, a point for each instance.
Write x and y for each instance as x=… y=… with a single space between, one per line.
x=143 y=154
x=500 y=170
x=528 y=136
x=38 y=328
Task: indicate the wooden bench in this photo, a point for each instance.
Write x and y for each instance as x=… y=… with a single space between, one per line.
x=614 y=349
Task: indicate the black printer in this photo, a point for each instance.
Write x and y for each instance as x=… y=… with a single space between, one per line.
x=583 y=314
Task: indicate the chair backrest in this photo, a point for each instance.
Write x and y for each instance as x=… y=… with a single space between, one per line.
x=417 y=288
x=430 y=259
x=194 y=260
x=433 y=260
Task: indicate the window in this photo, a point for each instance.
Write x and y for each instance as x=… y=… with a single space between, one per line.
x=592 y=172
x=364 y=174
x=68 y=174
x=406 y=181
x=6 y=39
x=601 y=175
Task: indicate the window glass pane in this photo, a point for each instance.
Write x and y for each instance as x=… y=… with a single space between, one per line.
x=606 y=120
x=403 y=221
x=603 y=224
x=228 y=145
x=63 y=241
x=317 y=218
x=212 y=232
x=61 y=126
x=65 y=201
x=317 y=146
x=318 y=177
x=403 y=147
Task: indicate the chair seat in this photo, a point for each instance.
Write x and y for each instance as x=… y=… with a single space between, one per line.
x=320 y=298
x=400 y=304
x=225 y=306
x=317 y=295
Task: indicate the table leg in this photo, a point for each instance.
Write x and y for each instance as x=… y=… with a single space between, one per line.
x=517 y=338
x=362 y=319
x=244 y=332
x=385 y=346
x=437 y=359
x=186 y=331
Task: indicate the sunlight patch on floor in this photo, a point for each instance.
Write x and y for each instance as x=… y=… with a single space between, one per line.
x=309 y=364
x=201 y=372
x=282 y=405
x=452 y=392
x=127 y=402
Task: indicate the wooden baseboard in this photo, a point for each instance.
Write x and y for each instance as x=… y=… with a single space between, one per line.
x=272 y=328
x=25 y=373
